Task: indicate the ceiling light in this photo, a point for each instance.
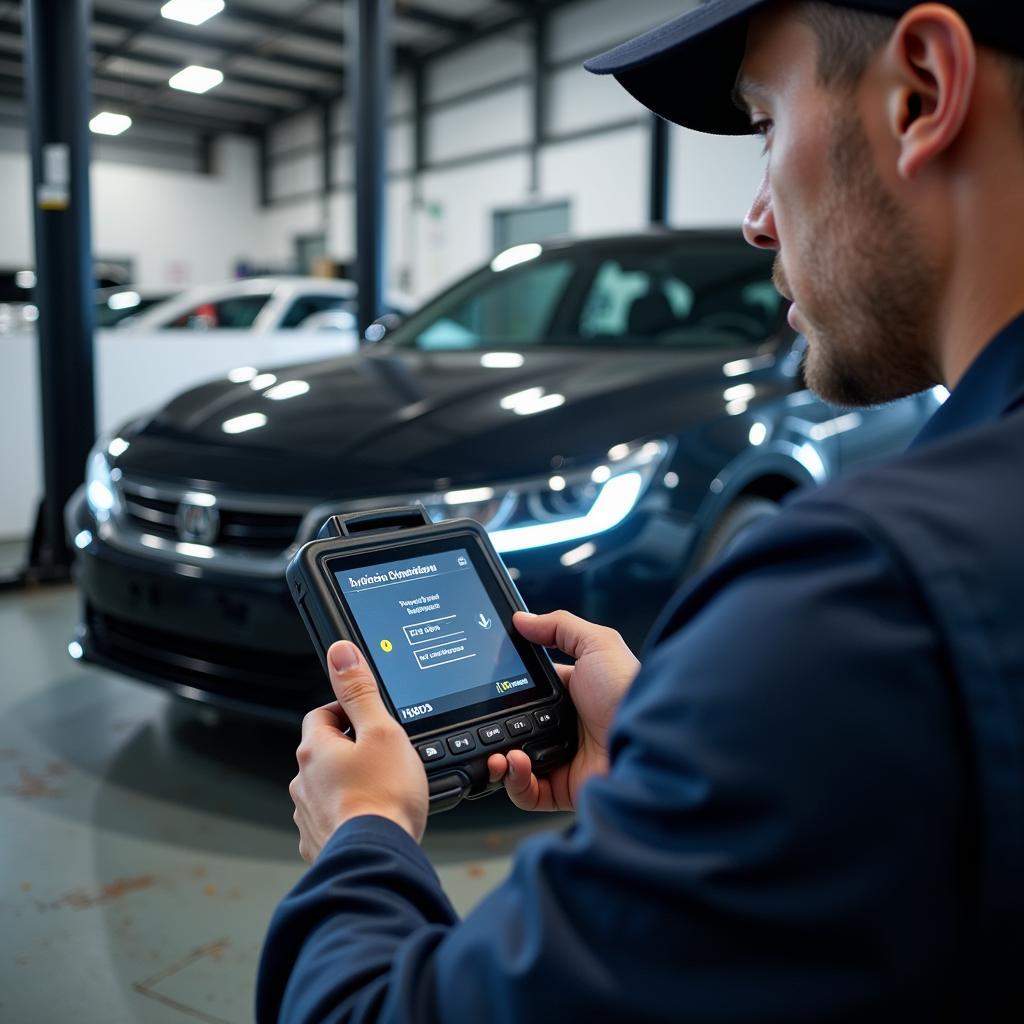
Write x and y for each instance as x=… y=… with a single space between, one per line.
x=196 y=79
x=191 y=12
x=106 y=123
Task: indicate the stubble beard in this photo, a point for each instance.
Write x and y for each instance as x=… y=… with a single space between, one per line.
x=870 y=307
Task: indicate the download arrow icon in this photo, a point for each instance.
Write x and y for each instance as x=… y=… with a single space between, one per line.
x=484 y=621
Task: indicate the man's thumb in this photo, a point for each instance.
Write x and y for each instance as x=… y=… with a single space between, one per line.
x=354 y=685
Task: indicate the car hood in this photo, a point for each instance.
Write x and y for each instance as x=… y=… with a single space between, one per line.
x=388 y=421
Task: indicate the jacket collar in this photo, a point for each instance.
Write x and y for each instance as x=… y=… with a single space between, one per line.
x=992 y=387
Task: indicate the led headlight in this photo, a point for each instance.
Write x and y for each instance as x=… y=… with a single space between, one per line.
x=101 y=490
x=561 y=508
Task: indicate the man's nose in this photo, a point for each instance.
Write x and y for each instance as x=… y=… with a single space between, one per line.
x=759 y=223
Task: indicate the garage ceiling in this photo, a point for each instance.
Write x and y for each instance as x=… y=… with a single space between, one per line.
x=277 y=56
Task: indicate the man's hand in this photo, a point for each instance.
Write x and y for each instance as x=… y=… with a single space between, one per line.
x=605 y=667
x=377 y=772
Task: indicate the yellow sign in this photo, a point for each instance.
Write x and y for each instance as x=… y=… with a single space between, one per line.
x=387 y=646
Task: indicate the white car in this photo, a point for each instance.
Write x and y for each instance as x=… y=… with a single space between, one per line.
x=260 y=305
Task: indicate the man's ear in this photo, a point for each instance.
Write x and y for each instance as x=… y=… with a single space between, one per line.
x=931 y=61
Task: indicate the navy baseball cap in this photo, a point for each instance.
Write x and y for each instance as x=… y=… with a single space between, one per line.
x=685 y=70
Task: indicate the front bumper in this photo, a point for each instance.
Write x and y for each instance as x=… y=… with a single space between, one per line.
x=236 y=641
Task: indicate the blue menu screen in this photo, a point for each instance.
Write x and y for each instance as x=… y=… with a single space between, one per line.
x=433 y=633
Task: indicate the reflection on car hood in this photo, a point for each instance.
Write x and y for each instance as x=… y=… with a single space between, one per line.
x=389 y=422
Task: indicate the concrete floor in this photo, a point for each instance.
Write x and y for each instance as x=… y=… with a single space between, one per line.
x=143 y=850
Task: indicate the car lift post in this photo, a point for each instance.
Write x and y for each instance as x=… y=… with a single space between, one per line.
x=372 y=46
x=57 y=105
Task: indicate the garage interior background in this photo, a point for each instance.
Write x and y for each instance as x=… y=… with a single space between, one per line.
x=499 y=120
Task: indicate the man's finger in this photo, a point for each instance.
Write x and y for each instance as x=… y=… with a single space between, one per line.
x=521 y=784
x=355 y=687
x=328 y=717
x=560 y=629
x=497 y=767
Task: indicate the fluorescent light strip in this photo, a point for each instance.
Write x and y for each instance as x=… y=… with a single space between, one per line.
x=617 y=499
x=196 y=79
x=191 y=12
x=106 y=123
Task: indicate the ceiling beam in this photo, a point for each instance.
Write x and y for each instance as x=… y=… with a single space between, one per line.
x=206 y=35
x=12 y=87
x=527 y=12
x=434 y=19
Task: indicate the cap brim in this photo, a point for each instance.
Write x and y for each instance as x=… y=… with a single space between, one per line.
x=685 y=70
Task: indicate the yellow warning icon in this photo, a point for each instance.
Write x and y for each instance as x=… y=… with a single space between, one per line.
x=387 y=646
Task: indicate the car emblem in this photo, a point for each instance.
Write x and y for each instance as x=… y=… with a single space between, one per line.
x=197 y=524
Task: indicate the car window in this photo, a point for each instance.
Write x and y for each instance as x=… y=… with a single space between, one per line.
x=723 y=301
x=108 y=315
x=695 y=292
x=306 y=305
x=617 y=294
x=240 y=311
x=514 y=310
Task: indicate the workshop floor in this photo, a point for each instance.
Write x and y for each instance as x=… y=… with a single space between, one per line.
x=144 y=850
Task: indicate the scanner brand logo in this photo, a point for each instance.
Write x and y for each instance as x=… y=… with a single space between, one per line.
x=197 y=524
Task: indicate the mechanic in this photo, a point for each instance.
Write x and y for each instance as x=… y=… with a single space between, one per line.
x=809 y=805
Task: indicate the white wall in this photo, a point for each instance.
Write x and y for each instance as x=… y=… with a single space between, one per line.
x=453 y=222
x=604 y=177
x=713 y=178
x=178 y=228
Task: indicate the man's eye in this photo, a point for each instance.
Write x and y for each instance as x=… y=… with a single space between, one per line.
x=763 y=129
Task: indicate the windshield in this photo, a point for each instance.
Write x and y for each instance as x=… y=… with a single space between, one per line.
x=675 y=292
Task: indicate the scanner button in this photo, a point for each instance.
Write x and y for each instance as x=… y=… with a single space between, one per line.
x=431 y=751
x=492 y=734
x=461 y=743
x=545 y=719
x=519 y=726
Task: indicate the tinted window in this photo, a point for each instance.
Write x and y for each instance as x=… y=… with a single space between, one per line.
x=674 y=299
x=306 y=305
x=688 y=292
x=238 y=312
x=107 y=317
x=512 y=310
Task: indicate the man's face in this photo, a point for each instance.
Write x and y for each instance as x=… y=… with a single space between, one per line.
x=848 y=253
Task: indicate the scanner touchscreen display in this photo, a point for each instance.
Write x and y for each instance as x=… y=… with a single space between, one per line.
x=434 y=634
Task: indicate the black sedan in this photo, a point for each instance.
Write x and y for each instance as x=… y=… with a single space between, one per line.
x=615 y=411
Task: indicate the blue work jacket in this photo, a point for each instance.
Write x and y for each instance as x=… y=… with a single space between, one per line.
x=815 y=807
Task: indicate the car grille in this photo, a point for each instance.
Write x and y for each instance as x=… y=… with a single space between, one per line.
x=240 y=528
x=286 y=681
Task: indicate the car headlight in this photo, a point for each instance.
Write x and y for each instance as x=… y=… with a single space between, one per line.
x=560 y=508
x=101 y=490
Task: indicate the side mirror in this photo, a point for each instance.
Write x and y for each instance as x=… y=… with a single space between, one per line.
x=382 y=326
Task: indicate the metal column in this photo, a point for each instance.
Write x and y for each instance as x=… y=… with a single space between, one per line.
x=372 y=44
x=57 y=94
x=659 y=187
